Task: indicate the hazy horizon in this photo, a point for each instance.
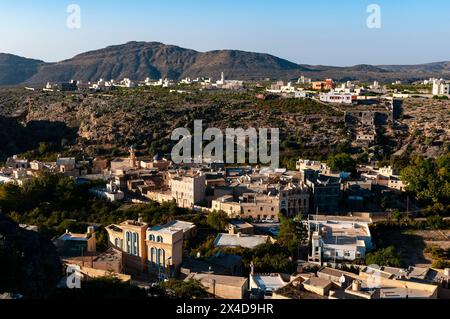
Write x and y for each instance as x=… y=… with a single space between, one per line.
x=323 y=33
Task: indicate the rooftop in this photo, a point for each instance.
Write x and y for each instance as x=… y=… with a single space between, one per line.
x=318 y=282
x=269 y=282
x=185 y=226
x=165 y=230
x=76 y=237
x=219 y=279
x=240 y=240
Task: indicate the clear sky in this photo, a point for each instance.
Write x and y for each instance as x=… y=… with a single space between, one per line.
x=329 y=32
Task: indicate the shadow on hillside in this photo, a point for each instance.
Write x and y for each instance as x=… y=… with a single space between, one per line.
x=16 y=138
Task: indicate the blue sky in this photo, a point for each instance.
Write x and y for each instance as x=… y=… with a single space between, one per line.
x=329 y=32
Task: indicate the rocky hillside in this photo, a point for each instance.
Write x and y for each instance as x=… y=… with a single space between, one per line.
x=106 y=125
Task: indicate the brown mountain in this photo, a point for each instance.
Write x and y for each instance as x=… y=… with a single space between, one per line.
x=138 y=60
x=15 y=70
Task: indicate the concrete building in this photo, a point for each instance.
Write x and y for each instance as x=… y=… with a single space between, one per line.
x=250 y=206
x=266 y=284
x=72 y=244
x=326 y=191
x=156 y=250
x=441 y=87
x=337 y=98
x=234 y=240
x=336 y=239
x=16 y=163
x=111 y=192
x=224 y=287
x=164 y=248
x=188 y=190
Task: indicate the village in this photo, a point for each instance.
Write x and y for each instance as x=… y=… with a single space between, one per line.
x=335 y=209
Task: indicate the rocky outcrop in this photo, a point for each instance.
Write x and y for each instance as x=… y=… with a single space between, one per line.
x=29 y=265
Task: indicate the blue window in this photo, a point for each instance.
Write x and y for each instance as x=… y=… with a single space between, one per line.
x=135 y=244
x=128 y=242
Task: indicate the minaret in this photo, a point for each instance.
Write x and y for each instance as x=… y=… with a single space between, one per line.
x=133 y=160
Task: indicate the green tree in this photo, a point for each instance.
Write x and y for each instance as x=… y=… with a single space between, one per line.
x=429 y=179
x=190 y=289
x=384 y=257
x=435 y=222
x=342 y=162
x=217 y=220
x=292 y=234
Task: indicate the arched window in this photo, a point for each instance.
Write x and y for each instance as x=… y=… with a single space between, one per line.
x=162 y=258
x=159 y=239
x=153 y=256
x=151 y=237
x=158 y=257
x=116 y=242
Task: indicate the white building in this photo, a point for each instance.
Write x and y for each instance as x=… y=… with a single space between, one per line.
x=440 y=87
x=333 y=97
x=304 y=80
x=336 y=239
x=112 y=192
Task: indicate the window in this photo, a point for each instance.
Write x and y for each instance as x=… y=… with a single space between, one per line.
x=162 y=258
x=153 y=256
x=128 y=242
x=159 y=239
x=135 y=244
x=151 y=237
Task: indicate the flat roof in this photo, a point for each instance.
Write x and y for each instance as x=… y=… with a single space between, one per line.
x=77 y=237
x=269 y=282
x=165 y=230
x=318 y=282
x=219 y=279
x=185 y=226
x=403 y=293
x=240 y=240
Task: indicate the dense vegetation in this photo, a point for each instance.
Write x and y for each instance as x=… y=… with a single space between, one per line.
x=429 y=181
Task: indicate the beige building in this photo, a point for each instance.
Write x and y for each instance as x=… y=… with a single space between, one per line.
x=250 y=205
x=164 y=248
x=147 y=250
x=188 y=190
x=294 y=200
x=225 y=287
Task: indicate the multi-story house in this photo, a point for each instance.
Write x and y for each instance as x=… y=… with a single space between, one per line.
x=157 y=250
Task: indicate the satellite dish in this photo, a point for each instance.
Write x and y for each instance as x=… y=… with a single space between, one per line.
x=342 y=280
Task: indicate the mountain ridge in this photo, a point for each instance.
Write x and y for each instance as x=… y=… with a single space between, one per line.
x=138 y=60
